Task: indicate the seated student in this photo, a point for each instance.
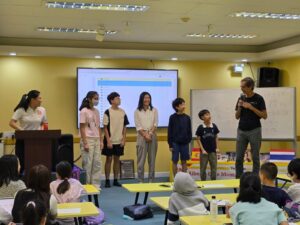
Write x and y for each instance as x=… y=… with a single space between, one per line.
x=10 y=182
x=65 y=188
x=251 y=208
x=268 y=173
x=294 y=172
x=38 y=188
x=186 y=199
x=34 y=213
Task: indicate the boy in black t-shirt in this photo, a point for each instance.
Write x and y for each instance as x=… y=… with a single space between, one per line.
x=207 y=139
x=268 y=173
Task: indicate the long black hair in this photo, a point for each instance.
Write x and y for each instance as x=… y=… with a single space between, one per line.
x=9 y=169
x=250 y=188
x=64 y=170
x=86 y=102
x=39 y=182
x=26 y=98
x=141 y=100
x=34 y=212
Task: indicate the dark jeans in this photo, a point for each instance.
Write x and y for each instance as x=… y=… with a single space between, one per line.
x=243 y=138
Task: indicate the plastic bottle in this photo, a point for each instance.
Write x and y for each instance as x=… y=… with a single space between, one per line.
x=213 y=209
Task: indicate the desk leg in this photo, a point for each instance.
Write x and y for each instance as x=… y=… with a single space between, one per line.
x=80 y=220
x=90 y=198
x=136 y=198
x=96 y=200
x=166 y=217
x=283 y=184
x=146 y=198
x=235 y=190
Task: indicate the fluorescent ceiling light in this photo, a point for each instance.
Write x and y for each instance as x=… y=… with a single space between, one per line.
x=97 y=6
x=261 y=15
x=12 y=54
x=74 y=30
x=174 y=58
x=226 y=36
x=97 y=57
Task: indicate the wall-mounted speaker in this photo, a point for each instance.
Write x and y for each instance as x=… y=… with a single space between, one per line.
x=268 y=77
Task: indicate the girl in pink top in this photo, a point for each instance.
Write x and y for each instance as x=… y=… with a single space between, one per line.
x=91 y=142
x=64 y=188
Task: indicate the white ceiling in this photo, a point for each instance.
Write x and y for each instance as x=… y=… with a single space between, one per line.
x=158 y=30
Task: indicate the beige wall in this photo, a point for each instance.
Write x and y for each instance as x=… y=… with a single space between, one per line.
x=56 y=79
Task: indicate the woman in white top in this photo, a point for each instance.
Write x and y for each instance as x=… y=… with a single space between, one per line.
x=91 y=143
x=146 y=120
x=31 y=116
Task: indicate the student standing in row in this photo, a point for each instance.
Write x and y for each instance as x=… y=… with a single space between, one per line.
x=146 y=121
x=90 y=133
x=179 y=135
x=115 y=121
x=207 y=139
x=31 y=116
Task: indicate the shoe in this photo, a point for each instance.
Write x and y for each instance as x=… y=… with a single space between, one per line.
x=107 y=184
x=116 y=183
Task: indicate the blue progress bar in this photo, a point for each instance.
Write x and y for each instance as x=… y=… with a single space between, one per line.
x=134 y=83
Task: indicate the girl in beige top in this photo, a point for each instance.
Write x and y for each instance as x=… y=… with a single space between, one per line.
x=10 y=182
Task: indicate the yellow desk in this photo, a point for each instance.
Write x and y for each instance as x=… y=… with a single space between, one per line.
x=283 y=177
x=91 y=190
x=163 y=202
x=197 y=220
x=168 y=186
x=76 y=210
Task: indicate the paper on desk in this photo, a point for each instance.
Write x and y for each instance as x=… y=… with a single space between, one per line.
x=213 y=185
x=68 y=211
x=7 y=204
x=292 y=224
x=222 y=202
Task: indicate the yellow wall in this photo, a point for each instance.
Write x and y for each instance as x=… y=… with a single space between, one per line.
x=56 y=79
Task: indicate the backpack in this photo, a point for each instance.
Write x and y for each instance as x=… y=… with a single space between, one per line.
x=293 y=211
x=95 y=220
x=138 y=211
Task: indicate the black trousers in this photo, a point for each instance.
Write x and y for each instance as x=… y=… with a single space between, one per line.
x=19 y=149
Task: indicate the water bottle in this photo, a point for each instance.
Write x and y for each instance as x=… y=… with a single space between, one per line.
x=213 y=209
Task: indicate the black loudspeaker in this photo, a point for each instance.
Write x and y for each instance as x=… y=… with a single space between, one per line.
x=268 y=77
x=64 y=150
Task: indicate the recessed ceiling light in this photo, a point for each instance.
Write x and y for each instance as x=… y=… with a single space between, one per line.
x=74 y=30
x=226 y=36
x=174 y=58
x=244 y=60
x=97 y=57
x=97 y=6
x=12 y=54
x=263 y=15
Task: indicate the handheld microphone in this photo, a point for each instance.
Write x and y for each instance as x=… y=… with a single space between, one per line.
x=243 y=97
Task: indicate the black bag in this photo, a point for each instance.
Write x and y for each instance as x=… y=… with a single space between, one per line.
x=138 y=211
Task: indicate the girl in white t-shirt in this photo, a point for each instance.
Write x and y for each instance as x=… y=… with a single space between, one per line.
x=28 y=115
x=90 y=133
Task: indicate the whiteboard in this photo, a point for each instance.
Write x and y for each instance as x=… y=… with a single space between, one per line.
x=280 y=104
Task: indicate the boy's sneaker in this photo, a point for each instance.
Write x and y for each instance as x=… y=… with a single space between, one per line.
x=116 y=183
x=107 y=184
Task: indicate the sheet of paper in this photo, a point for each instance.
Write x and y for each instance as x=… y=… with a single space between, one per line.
x=222 y=202
x=213 y=185
x=7 y=204
x=68 y=211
